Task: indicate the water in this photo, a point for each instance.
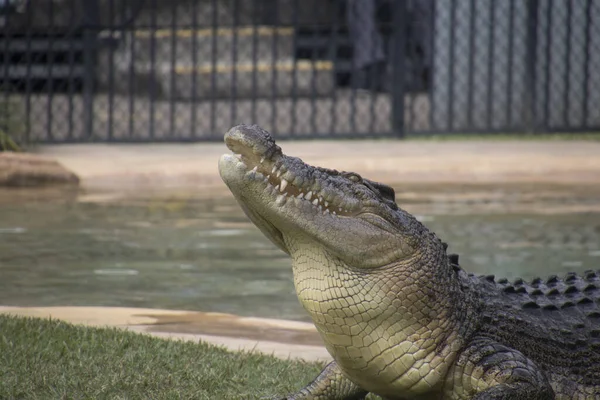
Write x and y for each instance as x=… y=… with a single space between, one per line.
x=190 y=250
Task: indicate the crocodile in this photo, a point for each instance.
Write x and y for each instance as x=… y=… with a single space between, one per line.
x=400 y=318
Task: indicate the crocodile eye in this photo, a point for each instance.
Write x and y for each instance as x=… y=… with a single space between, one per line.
x=385 y=191
x=354 y=177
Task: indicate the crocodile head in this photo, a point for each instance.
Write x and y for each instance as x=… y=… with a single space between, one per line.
x=354 y=219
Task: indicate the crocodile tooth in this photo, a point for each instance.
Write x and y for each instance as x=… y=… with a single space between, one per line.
x=326 y=211
x=255 y=168
x=278 y=173
x=309 y=195
x=301 y=195
x=315 y=201
x=326 y=203
x=333 y=212
x=283 y=185
x=274 y=169
x=298 y=181
x=262 y=160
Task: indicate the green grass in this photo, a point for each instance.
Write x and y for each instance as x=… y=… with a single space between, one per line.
x=44 y=359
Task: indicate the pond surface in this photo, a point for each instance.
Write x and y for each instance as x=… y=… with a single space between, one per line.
x=190 y=250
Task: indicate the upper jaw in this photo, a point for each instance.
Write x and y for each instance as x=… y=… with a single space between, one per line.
x=258 y=159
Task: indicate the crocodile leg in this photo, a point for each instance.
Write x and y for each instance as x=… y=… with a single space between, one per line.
x=488 y=370
x=331 y=384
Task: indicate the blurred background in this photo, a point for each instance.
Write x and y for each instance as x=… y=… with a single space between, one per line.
x=183 y=70
x=147 y=71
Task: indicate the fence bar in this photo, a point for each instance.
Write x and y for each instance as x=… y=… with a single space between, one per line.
x=274 y=68
x=411 y=112
x=91 y=12
x=131 y=83
x=432 y=78
x=193 y=108
x=451 y=62
x=70 y=82
x=470 y=87
x=50 y=70
x=314 y=72
x=531 y=58
x=567 y=71
x=333 y=56
x=510 y=50
x=28 y=83
x=5 y=113
x=254 y=95
x=490 y=67
x=373 y=83
x=111 y=69
x=586 y=62
x=173 y=69
x=213 y=67
x=353 y=83
x=399 y=66
x=152 y=83
x=234 y=61
x=6 y=83
x=294 y=92
x=547 y=64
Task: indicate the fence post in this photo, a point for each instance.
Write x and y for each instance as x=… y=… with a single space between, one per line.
x=90 y=22
x=531 y=65
x=398 y=63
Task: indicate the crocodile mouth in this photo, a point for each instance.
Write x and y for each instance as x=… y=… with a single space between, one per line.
x=283 y=189
x=286 y=180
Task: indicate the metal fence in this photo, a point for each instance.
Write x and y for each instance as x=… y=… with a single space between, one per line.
x=187 y=70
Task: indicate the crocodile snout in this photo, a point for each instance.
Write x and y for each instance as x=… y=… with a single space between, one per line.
x=252 y=142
